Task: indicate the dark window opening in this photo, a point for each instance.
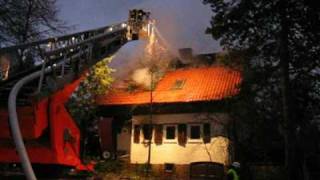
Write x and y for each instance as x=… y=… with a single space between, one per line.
x=195 y=132
x=147 y=132
x=170 y=132
x=168 y=167
x=178 y=84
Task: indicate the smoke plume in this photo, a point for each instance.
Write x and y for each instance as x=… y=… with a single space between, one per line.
x=142 y=77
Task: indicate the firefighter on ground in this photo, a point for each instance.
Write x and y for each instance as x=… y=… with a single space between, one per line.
x=233 y=172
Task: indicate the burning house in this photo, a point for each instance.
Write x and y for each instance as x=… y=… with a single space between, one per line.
x=181 y=120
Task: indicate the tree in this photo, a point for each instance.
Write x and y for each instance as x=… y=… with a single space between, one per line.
x=82 y=104
x=23 y=21
x=97 y=82
x=279 y=42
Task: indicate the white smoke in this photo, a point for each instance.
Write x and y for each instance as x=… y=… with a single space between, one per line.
x=142 y=77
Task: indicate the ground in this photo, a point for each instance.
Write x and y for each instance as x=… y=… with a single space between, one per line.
x=122 y=170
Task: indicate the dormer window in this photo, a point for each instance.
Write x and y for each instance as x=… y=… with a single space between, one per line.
x=178 y=84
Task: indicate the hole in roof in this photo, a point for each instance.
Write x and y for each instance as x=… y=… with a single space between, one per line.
x=178 y=84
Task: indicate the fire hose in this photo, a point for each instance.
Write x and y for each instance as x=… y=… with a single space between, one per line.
x=14 y=124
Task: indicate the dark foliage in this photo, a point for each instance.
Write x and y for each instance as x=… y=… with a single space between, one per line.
x=269 y=36
x=23 y=21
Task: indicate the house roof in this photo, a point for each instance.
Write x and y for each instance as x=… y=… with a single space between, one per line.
x=182 y=85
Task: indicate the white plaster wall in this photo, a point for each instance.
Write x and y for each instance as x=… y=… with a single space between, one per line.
x=194 y=150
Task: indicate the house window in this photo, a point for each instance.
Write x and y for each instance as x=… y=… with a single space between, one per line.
x=195 y=131
x=170 y=132
x=168 y=167
x=178 y=84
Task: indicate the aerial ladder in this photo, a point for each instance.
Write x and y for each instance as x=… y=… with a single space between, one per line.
x=36 y=81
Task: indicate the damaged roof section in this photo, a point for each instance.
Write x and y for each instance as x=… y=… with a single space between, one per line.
x=182 y=85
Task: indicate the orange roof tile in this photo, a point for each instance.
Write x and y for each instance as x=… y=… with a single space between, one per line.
x=198 y=84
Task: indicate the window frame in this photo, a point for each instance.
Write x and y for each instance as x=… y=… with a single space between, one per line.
x=165 y=133
x=178 y=84
x=169 y=167
x=189 y=132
